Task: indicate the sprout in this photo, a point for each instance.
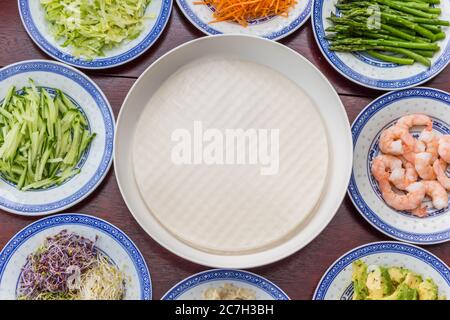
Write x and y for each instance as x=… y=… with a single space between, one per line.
x=58 y=269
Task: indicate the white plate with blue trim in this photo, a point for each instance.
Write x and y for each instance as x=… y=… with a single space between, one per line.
x=370 y=72
x=273 y=28
x=33 y=19
x=363 y=189
x=336 y=283
x=111 y=241
x=97 y=159
x=193 y=287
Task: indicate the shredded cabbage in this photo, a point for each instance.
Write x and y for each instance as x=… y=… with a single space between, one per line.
x=89 y=27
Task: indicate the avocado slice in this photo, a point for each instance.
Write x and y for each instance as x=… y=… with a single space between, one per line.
x=403 y=292
x=397 y=274
x=413 y=280
x=391 y=283
x=428 y=290
x=379 y=283
x=359 y=278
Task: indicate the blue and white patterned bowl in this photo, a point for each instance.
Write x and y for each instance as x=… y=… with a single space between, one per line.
x=336 y=283
x=273 y=28
x=193 y=287
x=112 y=241
x=97 y=160
x=33 y=19
x=363 y=189
x=370 y=72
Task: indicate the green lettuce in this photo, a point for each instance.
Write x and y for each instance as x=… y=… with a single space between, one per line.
x=89 y=27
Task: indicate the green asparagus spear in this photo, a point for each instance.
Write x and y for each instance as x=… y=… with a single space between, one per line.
x=387 y=58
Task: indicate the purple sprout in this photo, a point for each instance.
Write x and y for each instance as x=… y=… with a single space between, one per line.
x=48 y=269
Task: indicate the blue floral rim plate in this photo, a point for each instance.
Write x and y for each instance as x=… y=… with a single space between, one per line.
x=371 y=72
x=336 y=282
x=95 y=162
x=273 y=28
x=34 y=22
x=111 y=240
x=191 y=287
x=363 y=189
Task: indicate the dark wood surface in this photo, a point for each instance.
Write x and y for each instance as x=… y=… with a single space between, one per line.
x=298 y=274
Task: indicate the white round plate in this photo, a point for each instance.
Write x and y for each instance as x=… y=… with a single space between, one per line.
x=112 y=241
x=273 y=28
x=33 y=19
x=97 y=159
x=370 y=72
x=279 y=58
x=336 y=283
x=363 y=188
x=193 y=287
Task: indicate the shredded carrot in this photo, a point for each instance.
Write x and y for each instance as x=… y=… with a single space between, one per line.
x=243 y=11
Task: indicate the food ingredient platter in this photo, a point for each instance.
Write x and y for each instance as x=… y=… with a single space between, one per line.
x=306 y=266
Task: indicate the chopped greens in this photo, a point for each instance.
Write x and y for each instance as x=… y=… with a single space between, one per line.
x=42 y=137
x=89 y=27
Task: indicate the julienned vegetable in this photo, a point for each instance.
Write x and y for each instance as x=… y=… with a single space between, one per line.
x=91 y=27
x=68 y=266
x=398 y=31
x=42 y=137
x=242 y=11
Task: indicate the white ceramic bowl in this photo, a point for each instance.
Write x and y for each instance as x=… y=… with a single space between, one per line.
x=371 y=72
x=193 y=287
x=96 y=161
x=273 y=28
x=33 y=19
x=363 y=188
x=111 y=241
x=279 y=58
x=336 y=283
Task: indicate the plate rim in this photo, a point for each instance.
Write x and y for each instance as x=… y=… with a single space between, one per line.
x=109 y=142
x=444 y=272
x=102 y=63
x=171 y=294
x=370 y=216
x=36 y=227
x=291 y=250
x=291 y=28
x=396 y=84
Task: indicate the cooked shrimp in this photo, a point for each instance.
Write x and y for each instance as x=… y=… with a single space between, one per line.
x=420 y=211
x=444 y=148
x=401 y=178
x=409 y=201
x=438 y=194
x=383 y=165
x=424 y=165
x=440 y=167
x=431 y=142
x=410 y=152
x=413 y=120
x=420 y=146
x=394 y=140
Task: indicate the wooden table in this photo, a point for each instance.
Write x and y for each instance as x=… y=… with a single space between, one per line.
x=298 y=274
